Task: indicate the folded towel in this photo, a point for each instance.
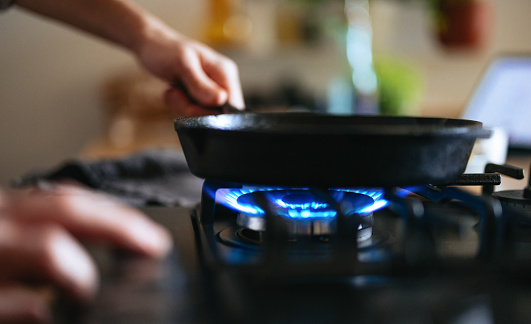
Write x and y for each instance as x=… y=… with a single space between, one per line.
x=154 y=177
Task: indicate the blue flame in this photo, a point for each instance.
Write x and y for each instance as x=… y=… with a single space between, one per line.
x=375 y=193
x=299 y=206
x=304 y=210
x=229 y=198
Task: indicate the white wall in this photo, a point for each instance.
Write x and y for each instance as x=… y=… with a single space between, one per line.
x=50 y=78
x=450 y=76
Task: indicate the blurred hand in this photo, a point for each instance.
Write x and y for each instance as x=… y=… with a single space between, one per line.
x=209 y=78
x=39 y=233
x=205 y=78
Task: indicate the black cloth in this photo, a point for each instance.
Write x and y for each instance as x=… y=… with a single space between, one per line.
x=4 y=4
x=154 y=177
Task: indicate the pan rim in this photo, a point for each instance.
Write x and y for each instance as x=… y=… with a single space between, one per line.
x=332 y=125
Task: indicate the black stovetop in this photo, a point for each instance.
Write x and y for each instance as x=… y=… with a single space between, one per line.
x=462 y=264
x=180 y=290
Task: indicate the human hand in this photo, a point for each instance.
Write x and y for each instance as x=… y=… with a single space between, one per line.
x=209 y=78
x=205 y=78
x=39 y=247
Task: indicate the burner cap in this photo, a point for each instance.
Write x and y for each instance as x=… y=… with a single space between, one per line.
x=305 y=212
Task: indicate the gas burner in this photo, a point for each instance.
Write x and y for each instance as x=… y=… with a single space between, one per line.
x=302 y=202
x=304 y=212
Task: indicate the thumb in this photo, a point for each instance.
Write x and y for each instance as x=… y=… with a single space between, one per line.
x=199 y=86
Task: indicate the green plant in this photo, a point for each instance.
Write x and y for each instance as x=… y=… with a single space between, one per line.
x=399 y=86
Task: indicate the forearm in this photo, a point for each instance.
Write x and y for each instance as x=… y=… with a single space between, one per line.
x=121 y=22
x=210 y=78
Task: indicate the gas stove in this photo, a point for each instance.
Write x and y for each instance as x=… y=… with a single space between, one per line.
x=261 y=254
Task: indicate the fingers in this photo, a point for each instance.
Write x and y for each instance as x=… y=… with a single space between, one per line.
x=93 y=216
x=199 y=85
x=225 y=73
x=38 y=245
x=23 y=305
x=46 y=253
x=210 y=79
x=181 y=105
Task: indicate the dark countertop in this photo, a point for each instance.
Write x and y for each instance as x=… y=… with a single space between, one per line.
x=136 y=290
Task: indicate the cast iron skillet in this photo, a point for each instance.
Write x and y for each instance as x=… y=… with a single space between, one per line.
x=302 y=149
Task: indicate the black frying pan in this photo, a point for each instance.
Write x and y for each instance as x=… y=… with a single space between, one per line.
x=327 y=151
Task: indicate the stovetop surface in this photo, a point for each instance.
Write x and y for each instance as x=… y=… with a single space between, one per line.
x=179 y=290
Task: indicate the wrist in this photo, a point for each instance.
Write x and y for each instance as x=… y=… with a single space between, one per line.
x=151 y=31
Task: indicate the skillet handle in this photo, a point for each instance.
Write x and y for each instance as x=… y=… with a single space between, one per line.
x=226 y=108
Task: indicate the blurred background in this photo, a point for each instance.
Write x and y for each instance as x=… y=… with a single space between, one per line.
x=64 y=94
